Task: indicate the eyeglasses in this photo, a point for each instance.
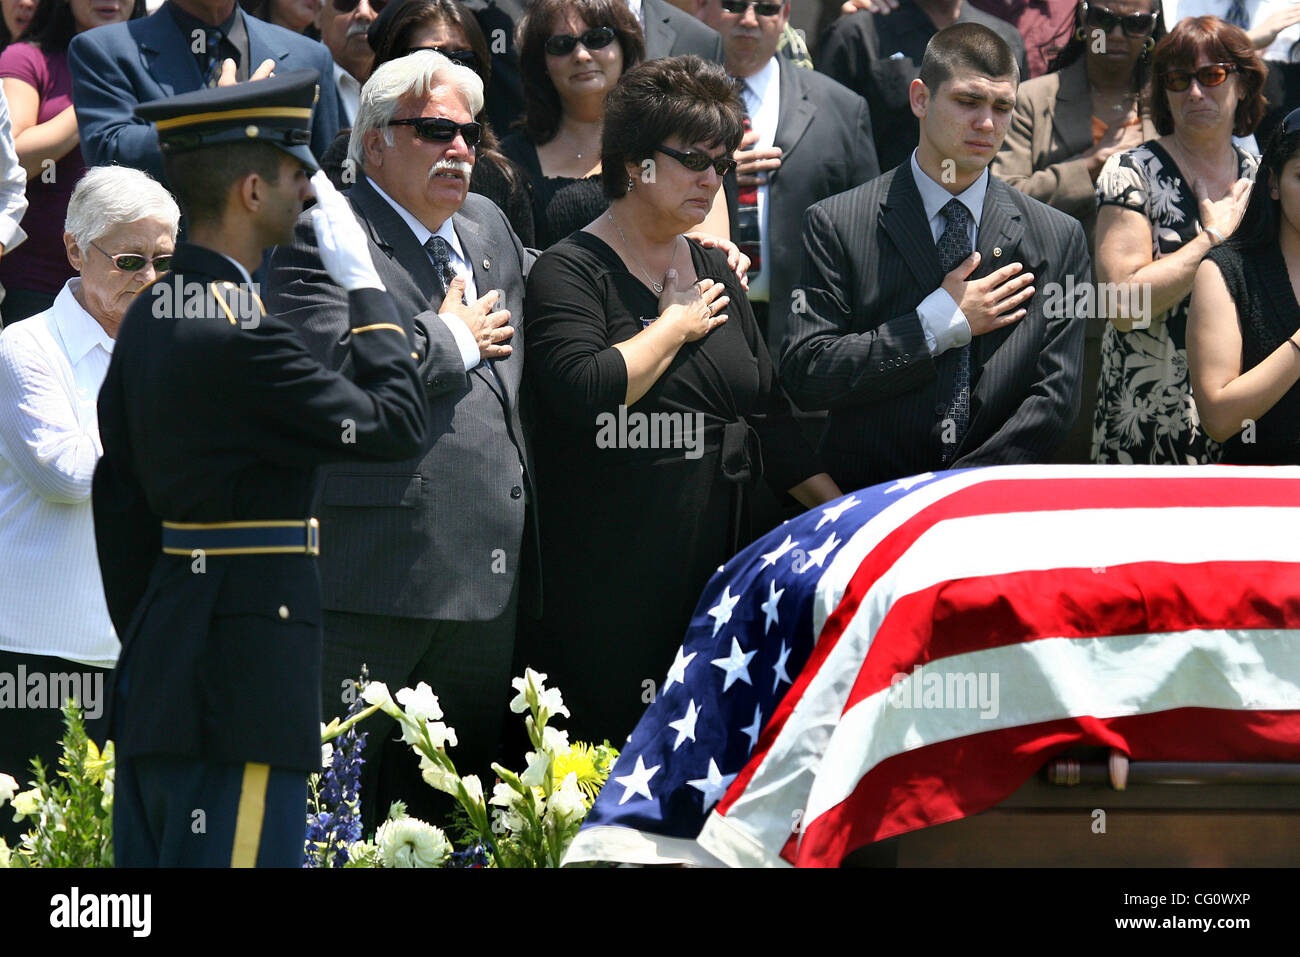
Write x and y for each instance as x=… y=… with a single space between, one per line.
x=562 y=44
x=133 y=262
x=1176 y=81
x=435 y=129
x=1291 y=124
x=347 y=6
x=699 y=162
x=1135 y=24
x=465 y=58
x=762 y=9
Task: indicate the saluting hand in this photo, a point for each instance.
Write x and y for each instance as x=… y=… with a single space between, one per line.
x=490 y=329
x=992 y=302
x=697 y=308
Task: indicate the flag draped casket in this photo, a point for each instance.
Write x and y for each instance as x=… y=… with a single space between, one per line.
x=968 y=626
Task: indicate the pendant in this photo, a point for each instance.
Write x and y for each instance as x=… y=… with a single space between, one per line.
x=658 y=287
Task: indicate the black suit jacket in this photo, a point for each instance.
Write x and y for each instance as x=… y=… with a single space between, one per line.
x=858 y=349
x=436 y=537
x=207 y=419
x=824 y=132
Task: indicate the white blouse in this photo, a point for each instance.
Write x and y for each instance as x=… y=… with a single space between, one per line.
x=51 y=593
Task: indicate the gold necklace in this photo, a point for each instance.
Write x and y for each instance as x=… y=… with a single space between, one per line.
x=658 y=287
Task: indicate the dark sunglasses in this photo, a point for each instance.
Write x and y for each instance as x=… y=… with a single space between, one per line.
x=465 y=58
x=1291 y=124
x=347 y=6
x=699 y=162
x=1176 y=81
x=1135 y=24
x=132 y=262
x=439 y=130
x=762 y=9
x=562 y=44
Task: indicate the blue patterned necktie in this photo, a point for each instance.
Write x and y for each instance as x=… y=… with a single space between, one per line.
x=955 y=246
x=441 y=253
x=1236 y=14
x=214 y=38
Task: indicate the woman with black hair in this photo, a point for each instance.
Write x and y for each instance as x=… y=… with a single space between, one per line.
x=1244 y=320
x=38 y=86
x=15 y=18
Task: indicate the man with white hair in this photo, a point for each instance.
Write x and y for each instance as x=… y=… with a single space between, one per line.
x=421 y=573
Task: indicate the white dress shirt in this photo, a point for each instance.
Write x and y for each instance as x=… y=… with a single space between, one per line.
x=465 y=342
x=13 y=185
x=944 y=323
x=51 y=594
x=762 y=96
x=349 y=92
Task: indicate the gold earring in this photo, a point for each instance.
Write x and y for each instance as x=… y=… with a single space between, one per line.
x=1149 y=45
x=1078 y=34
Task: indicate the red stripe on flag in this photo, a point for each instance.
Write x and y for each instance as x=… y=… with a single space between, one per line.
x=1009 y=496
x=955 y=779
x=976 y=614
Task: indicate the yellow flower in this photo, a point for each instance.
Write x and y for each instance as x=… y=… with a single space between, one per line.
x=581 y=761
x=97 y=764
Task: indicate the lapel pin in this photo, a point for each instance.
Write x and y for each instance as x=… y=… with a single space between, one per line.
x=487 y=264
x=997 y=251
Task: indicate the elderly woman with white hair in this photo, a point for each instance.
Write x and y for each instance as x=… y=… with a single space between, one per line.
x=55 y=633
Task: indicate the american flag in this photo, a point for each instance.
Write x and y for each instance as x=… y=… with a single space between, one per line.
x=914 y=652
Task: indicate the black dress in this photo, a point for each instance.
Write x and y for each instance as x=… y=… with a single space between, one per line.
x=1268 y=314
x=630 y=535
x=562 y=205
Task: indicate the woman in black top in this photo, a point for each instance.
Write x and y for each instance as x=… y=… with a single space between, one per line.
x=571 y=53
x=656 y=403
x=1243 y=325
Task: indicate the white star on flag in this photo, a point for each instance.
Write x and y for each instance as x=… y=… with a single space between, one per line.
x=638 y=782
x=905 y=484
x=752 y=730
x=677 y=673
x=721 y=612
x=781 y=673
x=685 y=725
x=818 y=555
x=736 y=665
x=833 y=513
x=770 y=557
x=713 y=786
x=769 y=606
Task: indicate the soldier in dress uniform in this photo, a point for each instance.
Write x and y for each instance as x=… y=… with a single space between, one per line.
x=214 y=416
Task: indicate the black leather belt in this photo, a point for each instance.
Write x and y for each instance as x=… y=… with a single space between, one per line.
x=242 y=538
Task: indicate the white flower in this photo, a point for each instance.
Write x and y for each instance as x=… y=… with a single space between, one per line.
x=539 y=766
x=375 y=692
x=549 y=703
x=438 y=777
x=555 y=741
x=410 y=842
x=8 y=787
x=527 y=686
x=567 y=804
x=4 y=851
x=504 y=795
x=26 y=803
x=326 y=750
x=474 y=788
x=420 y=704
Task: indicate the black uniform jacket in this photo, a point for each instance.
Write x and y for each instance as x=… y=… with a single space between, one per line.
x=213 y=411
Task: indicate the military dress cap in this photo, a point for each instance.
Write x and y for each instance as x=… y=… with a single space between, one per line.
x=276 y=111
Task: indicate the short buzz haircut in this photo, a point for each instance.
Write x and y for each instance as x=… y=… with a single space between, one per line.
x=682 y=96
x=967 y=48
x=110 y=196
x=202 y=179
x=408 y=77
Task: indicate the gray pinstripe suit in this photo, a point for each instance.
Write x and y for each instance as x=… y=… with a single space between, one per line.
x=858 y=348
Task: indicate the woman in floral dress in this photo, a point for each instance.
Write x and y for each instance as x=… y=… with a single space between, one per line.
x=1163 y=206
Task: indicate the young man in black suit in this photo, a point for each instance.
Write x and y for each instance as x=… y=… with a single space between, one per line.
x=930 y=355
x=422 y=575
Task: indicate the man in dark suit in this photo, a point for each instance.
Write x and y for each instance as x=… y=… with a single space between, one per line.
x=181 y=47
x=213 y=416
x=421 y=576
x=810 y=138
x=929 y=355
x=879 y=55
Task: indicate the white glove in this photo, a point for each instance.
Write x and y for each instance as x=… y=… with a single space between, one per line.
x=340 y=239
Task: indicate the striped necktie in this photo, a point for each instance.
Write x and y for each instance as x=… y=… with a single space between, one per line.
x=954 y=246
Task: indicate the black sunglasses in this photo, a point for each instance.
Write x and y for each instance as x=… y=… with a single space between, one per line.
x=1135 y=24
x=465 y=58
x=347 y=6
x=762 y=9
x=699 y=162
x=562 y=44
x=132 y=262
x=1176 y=81
x=1291 y=124
x=439 y=130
